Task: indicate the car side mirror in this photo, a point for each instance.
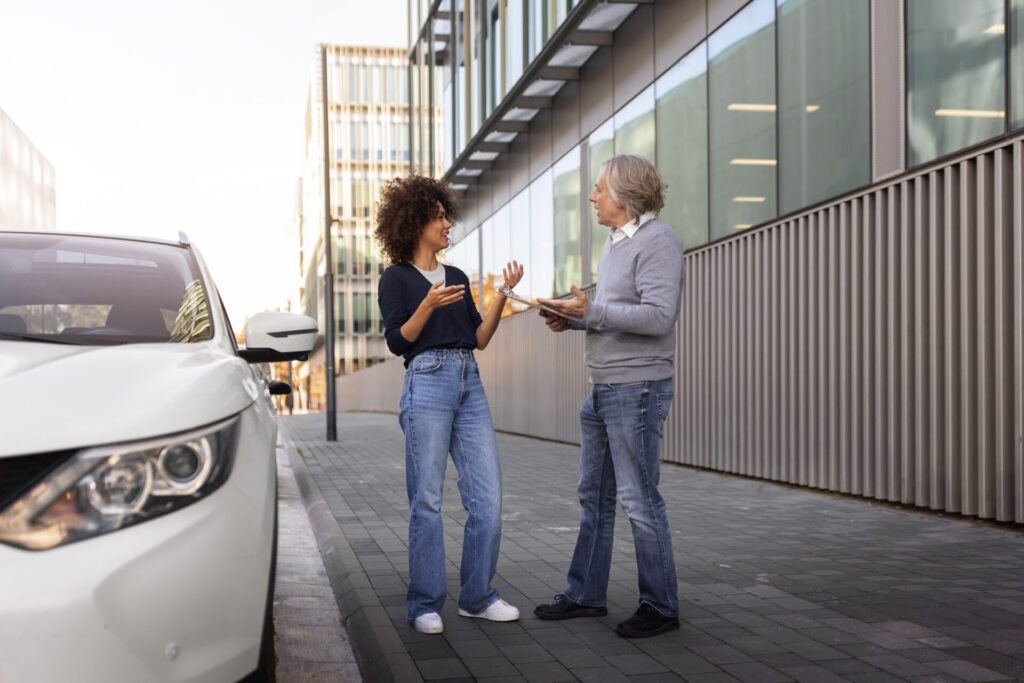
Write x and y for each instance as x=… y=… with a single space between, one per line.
x=273 y=337
x=279 y=388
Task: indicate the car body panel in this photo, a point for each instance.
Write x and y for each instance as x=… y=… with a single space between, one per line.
x=181 y=597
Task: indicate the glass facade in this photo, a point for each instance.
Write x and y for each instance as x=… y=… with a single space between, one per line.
x=955 y=75
x=770 y=114
x=741 y=104
x=568 y=270
x=634 y=127
x=824 y=100
x=682 y=157
x=600 y=147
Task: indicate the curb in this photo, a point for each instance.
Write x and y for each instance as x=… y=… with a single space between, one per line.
x=378 y=648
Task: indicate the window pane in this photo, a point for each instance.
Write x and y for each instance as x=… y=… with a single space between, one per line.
x=514 y=42
x=955 y=75
x=1017 y=63
x=824 y=100
x=567 y=221
x=682 y=116
x=542 y=235
x=741 y=83
x=602 y=148
x=471 y=262
x=634 y=126
x=519 y=240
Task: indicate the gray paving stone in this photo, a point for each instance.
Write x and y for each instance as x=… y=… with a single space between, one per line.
x=774 y=581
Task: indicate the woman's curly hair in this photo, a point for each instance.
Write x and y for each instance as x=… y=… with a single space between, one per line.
x=405 y=208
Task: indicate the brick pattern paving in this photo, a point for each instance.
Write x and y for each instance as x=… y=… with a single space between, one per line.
x=310 y=643
x=776 y=583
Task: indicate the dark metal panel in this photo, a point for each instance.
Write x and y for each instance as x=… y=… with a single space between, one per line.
x=596 y=101
x=888 y=122
x=968 y=347
x=633 y=55
x=983 y=303
x=1002 y=337
x=921 y=465
x=678 y=28
x=936 y=340
x=952 y=334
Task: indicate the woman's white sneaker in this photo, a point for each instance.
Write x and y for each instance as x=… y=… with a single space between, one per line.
x=499 y=610
x=429 y=623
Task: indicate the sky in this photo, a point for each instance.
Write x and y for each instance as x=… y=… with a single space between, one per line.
x=168 y=115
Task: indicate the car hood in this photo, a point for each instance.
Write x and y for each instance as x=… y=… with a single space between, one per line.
x=56 y=397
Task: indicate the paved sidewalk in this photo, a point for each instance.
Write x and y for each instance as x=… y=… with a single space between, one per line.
x=776 y=583
x=310 y=643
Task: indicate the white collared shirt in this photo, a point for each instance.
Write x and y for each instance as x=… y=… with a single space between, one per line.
x=630 y=228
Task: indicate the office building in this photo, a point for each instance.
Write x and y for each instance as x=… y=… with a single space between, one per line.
x=368 y=137
x=846 y=177
x=27 y=194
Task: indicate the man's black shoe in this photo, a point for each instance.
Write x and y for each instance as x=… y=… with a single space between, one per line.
x=564 y=608
x=646 y=622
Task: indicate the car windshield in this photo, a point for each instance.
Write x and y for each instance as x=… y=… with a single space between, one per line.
x=99 y=291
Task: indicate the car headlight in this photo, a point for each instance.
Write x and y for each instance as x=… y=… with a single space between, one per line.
x=104 y=489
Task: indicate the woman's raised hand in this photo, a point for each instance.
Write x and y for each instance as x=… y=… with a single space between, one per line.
x=439 y=296
x=513 y=273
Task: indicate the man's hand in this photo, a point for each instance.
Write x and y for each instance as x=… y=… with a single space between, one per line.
x=574 y=307
x=555 y=323
x=439 y=296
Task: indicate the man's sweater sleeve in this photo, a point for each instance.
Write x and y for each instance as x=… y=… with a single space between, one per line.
x=391 y=299
x=659 y=282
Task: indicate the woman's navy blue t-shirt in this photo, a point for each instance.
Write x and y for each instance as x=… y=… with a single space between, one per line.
x=401 y=290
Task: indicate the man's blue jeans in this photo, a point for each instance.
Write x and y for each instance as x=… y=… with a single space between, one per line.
x=443 y=409
x=621 y=428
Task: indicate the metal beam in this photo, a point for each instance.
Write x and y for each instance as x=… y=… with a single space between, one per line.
x=600 y=38
x=499 y=147
x=532 y=102
x=559 y=73
x=504 y=127
x=495 y=122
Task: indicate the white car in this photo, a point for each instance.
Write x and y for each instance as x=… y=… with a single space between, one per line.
x=137 y=465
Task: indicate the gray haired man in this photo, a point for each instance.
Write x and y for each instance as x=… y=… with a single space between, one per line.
x=629 y=351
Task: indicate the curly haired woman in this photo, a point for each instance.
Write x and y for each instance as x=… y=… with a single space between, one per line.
x=431 y=321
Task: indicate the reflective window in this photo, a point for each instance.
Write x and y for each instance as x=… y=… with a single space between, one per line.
x=542 y=234
x=824 y=99
x=741 y=97
x=634 y=126
x=449 y=123
x=955 y=75
x=601 y=148
x=682 y=147
x=567 y=221
x=496 y=252
x=472 y=263
x=513 y=42
x=339 y=312
x=1016 y=63
x=520 y=247
x=98 y=291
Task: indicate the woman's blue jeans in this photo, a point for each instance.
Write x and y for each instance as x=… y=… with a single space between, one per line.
x=444 y=410
x=621 y=429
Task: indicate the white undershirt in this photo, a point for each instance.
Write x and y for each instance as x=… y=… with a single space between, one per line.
x=630 y=228
x=433 y=276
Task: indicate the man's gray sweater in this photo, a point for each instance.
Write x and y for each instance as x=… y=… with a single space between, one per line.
x=631 y=335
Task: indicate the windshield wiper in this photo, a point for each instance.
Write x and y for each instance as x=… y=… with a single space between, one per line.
x=46 y=338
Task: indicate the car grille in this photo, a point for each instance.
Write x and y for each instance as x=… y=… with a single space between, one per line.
x=21 y=473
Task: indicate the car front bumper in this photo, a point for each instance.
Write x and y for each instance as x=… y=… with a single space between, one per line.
x=177 y=598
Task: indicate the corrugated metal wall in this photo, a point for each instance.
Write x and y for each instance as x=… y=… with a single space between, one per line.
x=874 y=346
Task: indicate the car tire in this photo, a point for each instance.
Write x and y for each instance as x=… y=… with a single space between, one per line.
x=266 y=668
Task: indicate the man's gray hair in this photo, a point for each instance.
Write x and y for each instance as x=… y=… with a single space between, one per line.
x=634 y=184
